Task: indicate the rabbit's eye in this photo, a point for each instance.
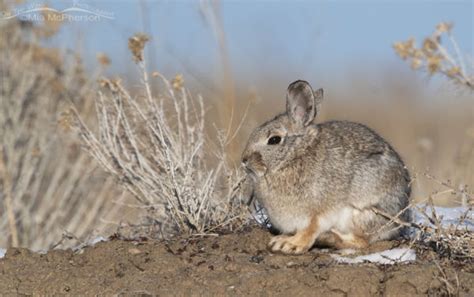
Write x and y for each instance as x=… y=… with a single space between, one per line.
x=274 y=140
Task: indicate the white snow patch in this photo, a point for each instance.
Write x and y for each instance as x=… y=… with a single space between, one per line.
x=78 y=248
x=97 y=240
x=399 y=255
x=449 y=216
x=90 y=242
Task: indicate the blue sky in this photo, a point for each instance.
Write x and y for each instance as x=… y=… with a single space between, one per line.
x=315 y=39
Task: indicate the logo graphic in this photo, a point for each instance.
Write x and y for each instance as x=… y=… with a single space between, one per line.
x=41 y=12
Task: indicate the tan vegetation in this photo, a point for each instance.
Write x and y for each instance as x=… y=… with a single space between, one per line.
x=83 y=155
x=434 y=57
x=49 y=188
x=177 y=172
x=156 y=146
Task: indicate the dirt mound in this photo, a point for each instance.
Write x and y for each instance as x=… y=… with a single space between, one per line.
x=234 y=264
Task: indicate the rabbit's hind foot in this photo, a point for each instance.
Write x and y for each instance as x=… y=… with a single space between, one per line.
x=298 y=243
x=342 y=241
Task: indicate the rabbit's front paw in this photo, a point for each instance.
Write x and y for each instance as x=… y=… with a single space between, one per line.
x=288 y=244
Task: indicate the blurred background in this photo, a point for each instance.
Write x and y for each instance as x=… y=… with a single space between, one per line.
x=241 y=54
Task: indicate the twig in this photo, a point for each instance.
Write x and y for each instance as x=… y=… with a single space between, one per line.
x=8 y=201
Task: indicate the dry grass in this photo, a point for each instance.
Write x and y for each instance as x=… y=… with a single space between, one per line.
x=448 y=240
x=156 y=146
x=160 y=144
x=47 y=185
x=453 y=241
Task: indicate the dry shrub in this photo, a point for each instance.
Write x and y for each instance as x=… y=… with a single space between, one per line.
x=434 y=57
x=156 y=146
x=48 y=186
x=448 y=241
x=453 y=240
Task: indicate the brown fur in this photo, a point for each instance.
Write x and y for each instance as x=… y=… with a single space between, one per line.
x=327 y=177
x=297 y=243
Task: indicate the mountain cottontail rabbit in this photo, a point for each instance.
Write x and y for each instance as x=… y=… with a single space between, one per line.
x=334 y=184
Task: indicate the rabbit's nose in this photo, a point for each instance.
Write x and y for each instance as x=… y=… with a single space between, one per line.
x=245 y=158
x=244 y=163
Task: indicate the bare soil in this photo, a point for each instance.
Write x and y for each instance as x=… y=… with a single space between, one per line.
x=232 y=264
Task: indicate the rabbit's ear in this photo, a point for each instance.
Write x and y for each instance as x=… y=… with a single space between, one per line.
x=301 y=102
x=318 y=99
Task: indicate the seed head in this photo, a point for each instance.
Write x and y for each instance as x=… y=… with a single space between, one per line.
x=404 y=49
x=178 y=81
x=429 y=46
x=103 y=59
x=434 y=63
x=416 y=63
x=444 y=27
x=136 y=44
x=452 y=72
